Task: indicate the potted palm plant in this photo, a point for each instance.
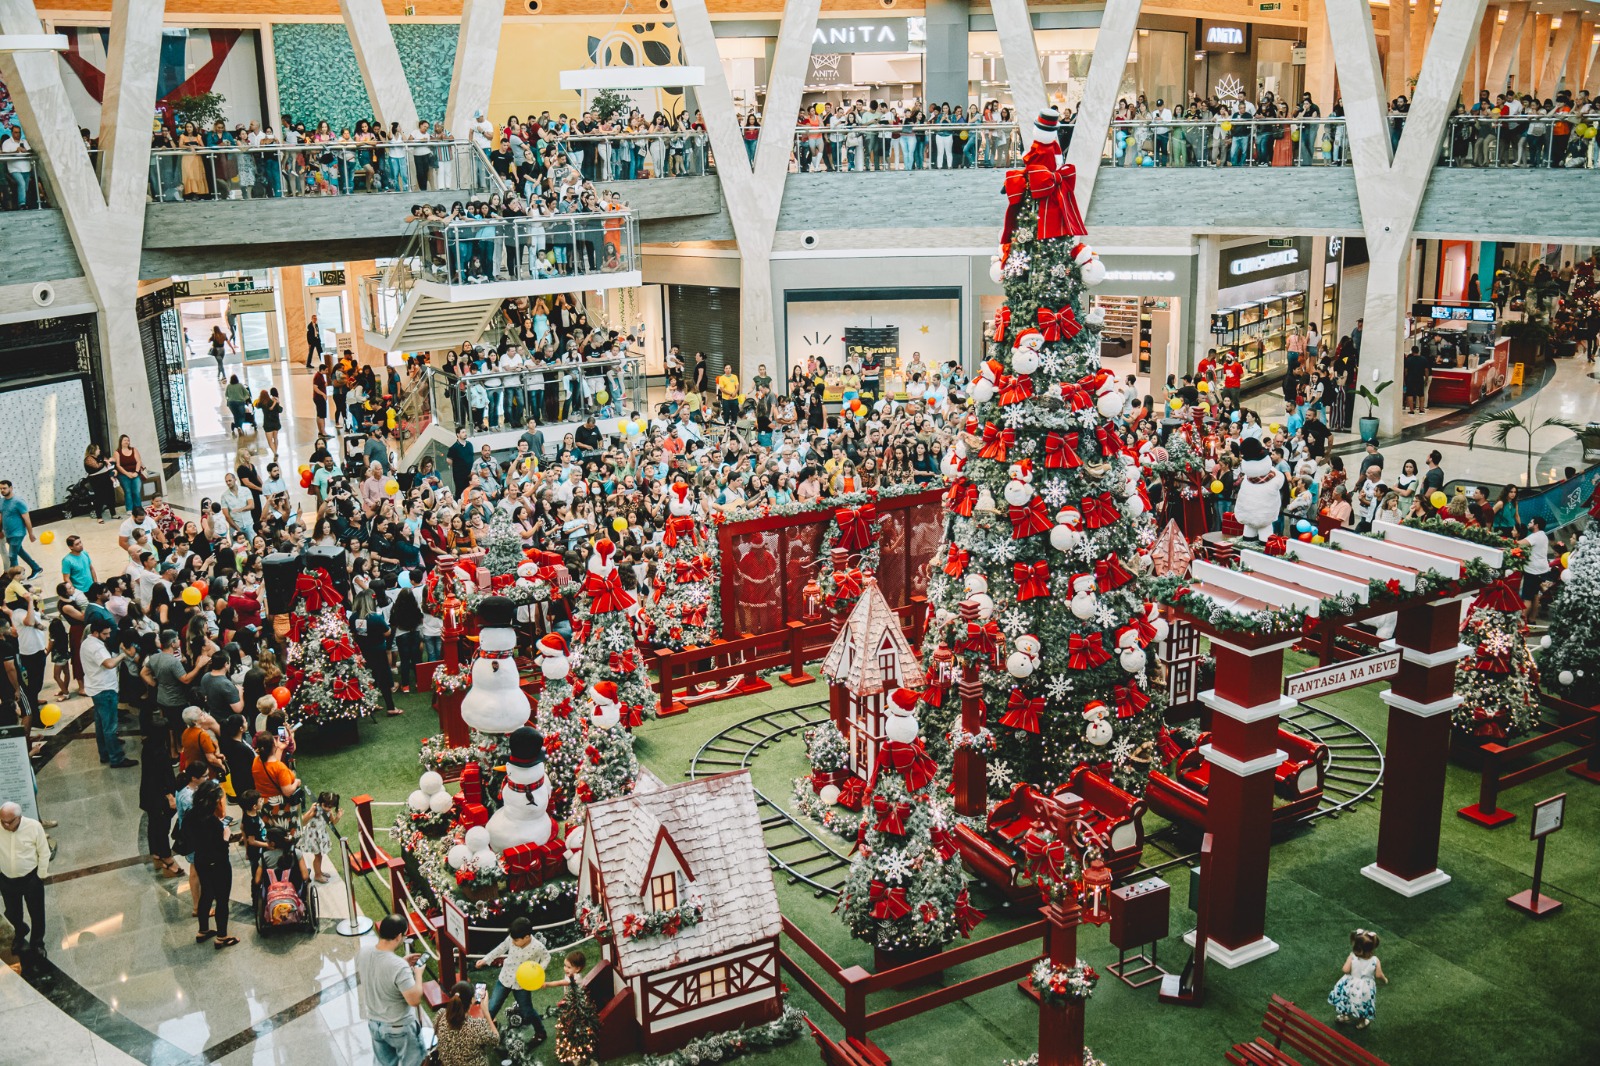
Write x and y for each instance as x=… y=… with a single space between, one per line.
x=1369 y=421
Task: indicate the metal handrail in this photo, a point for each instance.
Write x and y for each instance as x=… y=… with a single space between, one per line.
x=269 y=171
x=560 y=387
x=471 y=251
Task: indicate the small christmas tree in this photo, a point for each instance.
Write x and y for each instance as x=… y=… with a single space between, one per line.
x=685 y=607
x=328 y=679
x=850 y=549
x=608 y=650
x=1572 y=659
x=502 y=546
x=608 y=768
x=577 y=1027
x=561 y=716
x=905 y=892
x=1499 y=682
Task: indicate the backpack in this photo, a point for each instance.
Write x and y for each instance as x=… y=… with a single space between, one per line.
x=281 y=904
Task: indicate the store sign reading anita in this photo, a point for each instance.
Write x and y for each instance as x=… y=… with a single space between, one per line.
x=870 y=35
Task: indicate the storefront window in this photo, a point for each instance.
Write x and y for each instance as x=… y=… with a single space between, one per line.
x=1162 y=62
x=922 y=328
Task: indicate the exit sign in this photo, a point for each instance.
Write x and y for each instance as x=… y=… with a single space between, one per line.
x=242 y=286
x=1270 y=7
x=1280 y=242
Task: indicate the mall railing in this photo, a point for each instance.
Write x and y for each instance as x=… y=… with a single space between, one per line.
x=907 y=146
x=505 y=398
x=329 y=168
x=1550 y=141
x=636 y=156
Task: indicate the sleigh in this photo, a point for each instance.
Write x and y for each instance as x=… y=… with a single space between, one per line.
x=1181 y=794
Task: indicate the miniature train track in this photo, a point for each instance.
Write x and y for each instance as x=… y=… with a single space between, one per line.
x=791 y=845
x=1355 y=770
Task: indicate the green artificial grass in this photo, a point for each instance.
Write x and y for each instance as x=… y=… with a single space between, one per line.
x=1471 y=979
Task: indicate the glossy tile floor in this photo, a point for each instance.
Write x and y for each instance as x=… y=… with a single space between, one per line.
x=123 y=965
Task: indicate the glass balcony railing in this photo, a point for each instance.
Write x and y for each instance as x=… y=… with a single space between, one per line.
x=884 y=146
x=320 y=169
x=506 y=397
x=639 y=156
x=525 y=248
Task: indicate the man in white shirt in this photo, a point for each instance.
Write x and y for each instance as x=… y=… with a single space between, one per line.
x=1161 y=119
x=19 y=170
x=482 y=132
x=100 y=684
x=1536 y=571
x=137 y=520
x=24 y=864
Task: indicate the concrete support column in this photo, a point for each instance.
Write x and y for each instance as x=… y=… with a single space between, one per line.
x=379 y=61
x=1318 y=282
x=1421 y=28
x=1117 y=26
x=477 y=48
x=1541 y=54
x=104 y=213
x=1518 y=17
x=1580 y=65
x=1206 y=265
x=1526 y=44
x=1319 y=56
x=1559 y=59
x=944 y=72
x=1383 y=332
x=1396 y=65
x=1477 y=76
x=1015 y=29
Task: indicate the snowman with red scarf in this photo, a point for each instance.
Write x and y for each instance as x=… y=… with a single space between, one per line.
x=524 y=814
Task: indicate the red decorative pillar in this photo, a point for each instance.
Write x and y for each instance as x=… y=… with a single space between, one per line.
x=1243 y=753
x=1420 y=701
x=448 y=703
x=969 y=768
x=1061 y=1028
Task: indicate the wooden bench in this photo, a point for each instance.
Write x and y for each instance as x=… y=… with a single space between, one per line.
x=1290 y=1029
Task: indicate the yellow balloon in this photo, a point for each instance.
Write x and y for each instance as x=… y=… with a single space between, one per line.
x=1205 y=408
x=1204 y=386
x=1226 y=126
x=1174 y=404
x=47 y=537
x=191 y=596
x=304 y=469
x=49 y=715
x=602 y=397
x=1438 y=499
x=391 y=486
x=619 y=524
x=1564 y=557
x=530 y=977
x=1318 y=539
x=1216 y=488
x=1272 y=427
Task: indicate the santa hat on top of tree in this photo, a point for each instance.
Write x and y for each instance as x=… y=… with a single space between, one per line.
x=601 y=561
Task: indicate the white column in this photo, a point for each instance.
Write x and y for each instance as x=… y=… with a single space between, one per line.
x=1117 y=26
x=104 y=215
x=1389 y=184
x=379 y=61
x=1518 y=16
x=1555 y=64
x=1319 y=57
x=477 y=48
x=752 y=194
x=1015 y=28
x=1206 y=265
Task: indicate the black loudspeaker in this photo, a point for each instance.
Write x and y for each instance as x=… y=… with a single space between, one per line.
x=280 y=570
x=331 y=559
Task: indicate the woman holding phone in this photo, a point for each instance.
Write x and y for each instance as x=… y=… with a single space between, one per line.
x=464 y=1028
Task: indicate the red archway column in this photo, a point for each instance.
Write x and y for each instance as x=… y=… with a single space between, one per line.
x=1243 y=753
x=1420 y=701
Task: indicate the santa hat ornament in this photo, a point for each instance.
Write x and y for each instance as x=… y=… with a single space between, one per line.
x=607 y=705
x=1022 y=662
x=1019 y=490
x=900 y=725
x=1093 y=270
x=678 y=503
x=600 y=562
x=496 y=615
x=983 y=386
x=553 y=662
x=1026 y=354
x=1098 y=731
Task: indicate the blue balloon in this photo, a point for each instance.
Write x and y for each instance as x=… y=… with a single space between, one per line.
x=1303 y=526
x=1233 y=417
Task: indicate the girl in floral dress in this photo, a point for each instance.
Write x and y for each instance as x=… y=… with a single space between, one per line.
x=1355 y=996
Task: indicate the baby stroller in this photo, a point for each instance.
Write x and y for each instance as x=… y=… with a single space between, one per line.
x=80 y=499
x=284 y=898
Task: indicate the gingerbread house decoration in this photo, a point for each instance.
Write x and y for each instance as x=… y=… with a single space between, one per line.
x=869 y=659
x=693 y=849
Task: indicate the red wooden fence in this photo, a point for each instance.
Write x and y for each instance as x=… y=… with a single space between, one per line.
x=1584 y=733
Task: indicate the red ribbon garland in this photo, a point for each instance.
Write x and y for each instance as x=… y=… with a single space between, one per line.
x=967 y=916
x=855 y=527
x=1085 y=652
x=1130 y=699
x=1061 y=451
x=1029 y=519
x=1022 y=712
x=315 y=589
x=997 y=442
x=956 y=560
x=1110 y=574
x=1033 y=580
x=339 y=650
x=1098 y=511
x=607 y=594
x=1002 y=322
x=1058 y=325
x=891 y=816
x=887 y=903
x=1015 y=389
x=910 y=761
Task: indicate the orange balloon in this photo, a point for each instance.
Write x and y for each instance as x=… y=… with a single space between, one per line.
x=280 y=696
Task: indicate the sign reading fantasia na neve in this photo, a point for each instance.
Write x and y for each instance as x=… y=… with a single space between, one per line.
x=1327 y=679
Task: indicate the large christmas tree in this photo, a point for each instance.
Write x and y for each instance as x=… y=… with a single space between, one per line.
x=1572 y=658
x=1498 y=683
x=1036 y=584
x=684 y=606
x=328 y=679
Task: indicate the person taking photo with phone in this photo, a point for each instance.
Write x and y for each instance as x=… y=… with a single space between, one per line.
x=391 y=986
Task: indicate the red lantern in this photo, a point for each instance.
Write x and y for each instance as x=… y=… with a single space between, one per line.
x=813 y=602
x=944 y=665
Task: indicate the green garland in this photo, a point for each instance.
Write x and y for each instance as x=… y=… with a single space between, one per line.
x=1175 y=592
x=719 y=1047
x=831 y=503
x=639 y=926
x=1488 y=538
x=844 y=824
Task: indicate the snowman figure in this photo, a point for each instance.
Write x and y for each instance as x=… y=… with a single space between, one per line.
x=1108 y=396
x=1133 y=502
x=987 y=383
x=1019 y=490
x=1258 y=502
x=1022 y=662
x=1098 y=730
x=900 y=725
x=495 y=703
x=1067 y=533
x=1095 y=319
x=954 y=459
x=1158 y=624
x=1094 y=271
x=1084 y=602
x=553 y=661
x=1028 y=352
x=978 y=592
x=523 y=817
x=607 y=705
x=1129 y=654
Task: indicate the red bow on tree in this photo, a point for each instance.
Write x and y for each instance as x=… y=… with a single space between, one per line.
x=607 y=594
x=910 y=761
x=855 y=527
x=315 y=589
x=1022 y=712
x=887 y=903
x=1276 y=545
x=691 y=569
x=982 y=638
x=956 y=560
x=1053 y=185
x=945 y=841
x=1002 y=322
x=695 y=616
x=1076 y=396
x=1033 y=580
x=1015 y=389
x=1110 y=441
x=1488 y=724
x=1046 y=858
x=1029 y=519
x=996 y=442
x=1147 y=631
x=680 y=526
x=1098 y=511
x=632 y=715
x=1061 y=451
x=1491 y=662
x=1502 y=595
x=1110 y=574
x=1130 y=699
x=346 y=688
x=1058 y=325
x=967 y=916
x=623 y=662
x=1168 y=747
x=963 y=496
x=562 y=709
x=1084 y=652
x=847 y=584
x=339 y=650
x=891 y=816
